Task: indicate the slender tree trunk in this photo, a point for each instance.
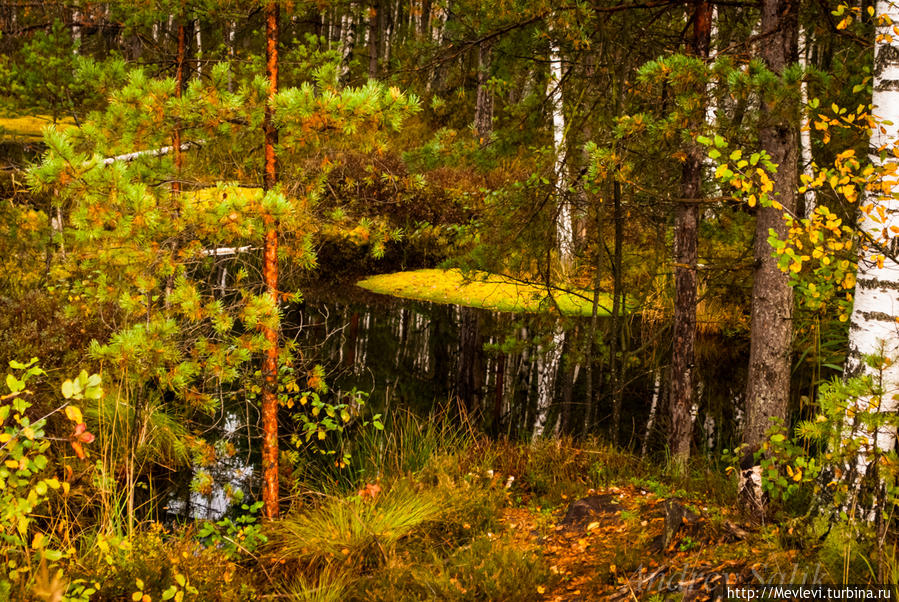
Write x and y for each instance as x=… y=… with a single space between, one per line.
x=76 y=29
x=805 y=134
x=232 y=34
x=270 y=496
x=374 y=38
x=499 y=393
x=564 y=230
x=771 y=330
x=179 y=87
x=653 y=410
x=347 y=39
x=483 y=114
x=198 y=36
x=547 y=369
x=615 y=380
x=711 y=110
x=589 y=359
x=686 y=231
x=469 y=366
x=872 y=326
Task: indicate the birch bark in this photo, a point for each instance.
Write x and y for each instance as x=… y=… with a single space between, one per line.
x=873 y=328
x=564 y=230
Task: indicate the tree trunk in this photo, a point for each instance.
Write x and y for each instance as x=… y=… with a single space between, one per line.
x=374 y=39
x=347 y=39
x=564 y=232
x=768 y=388
x=179 y=87
x=653 y=410
x=547 y=369
x=615 y=380
x=469 y=366
x=232 y=34
x=483 y=114
x=686 y=229
x=872 y=327
x=805 y=134
x=270 y=496
x=198 y=36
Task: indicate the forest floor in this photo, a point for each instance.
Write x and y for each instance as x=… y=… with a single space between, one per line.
x=611 y=545
x=558 y=521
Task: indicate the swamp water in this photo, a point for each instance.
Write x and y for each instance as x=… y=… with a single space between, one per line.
x=513 y=375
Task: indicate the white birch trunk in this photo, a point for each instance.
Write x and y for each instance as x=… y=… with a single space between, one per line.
x=653 y=410
x=873 y=326
x=711 y=113
x=231 y=37
x=564 y=230
x=415 y=15
x=199 y=38
x=347 y=39
x=805 y=134
x=547 y=368
x=438 y=26
x=76 y=29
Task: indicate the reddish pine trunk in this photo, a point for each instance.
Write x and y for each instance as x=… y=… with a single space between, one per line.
x=270 y=276
x=686 y=226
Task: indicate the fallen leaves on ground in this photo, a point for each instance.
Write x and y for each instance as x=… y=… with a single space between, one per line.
x=616 y=553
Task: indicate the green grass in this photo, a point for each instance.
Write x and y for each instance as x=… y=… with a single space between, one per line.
x=480 y=289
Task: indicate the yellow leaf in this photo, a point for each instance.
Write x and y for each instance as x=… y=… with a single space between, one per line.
x=73 y=413
x=541 y=589
x=593 y=525
x=28 y=432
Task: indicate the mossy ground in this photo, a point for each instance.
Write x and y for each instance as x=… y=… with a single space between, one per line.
x=487 y=291
x=29 y=127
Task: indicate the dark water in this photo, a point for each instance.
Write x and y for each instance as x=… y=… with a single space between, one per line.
x=416 y=355
x=508 y=373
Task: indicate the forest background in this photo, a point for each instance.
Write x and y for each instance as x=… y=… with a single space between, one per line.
x=687 y=207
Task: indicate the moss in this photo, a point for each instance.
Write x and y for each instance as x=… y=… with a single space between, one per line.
x=29 y=127
x=480 y=289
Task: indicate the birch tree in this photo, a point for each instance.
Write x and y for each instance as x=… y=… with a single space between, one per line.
x=873 y=330
x=564 y=230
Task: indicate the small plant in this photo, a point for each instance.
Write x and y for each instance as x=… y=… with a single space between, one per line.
x=234 y=537
x=26 y=480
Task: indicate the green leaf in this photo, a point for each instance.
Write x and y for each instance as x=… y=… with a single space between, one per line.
x=14 y=384
x=68 y=389
x=719 y=141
